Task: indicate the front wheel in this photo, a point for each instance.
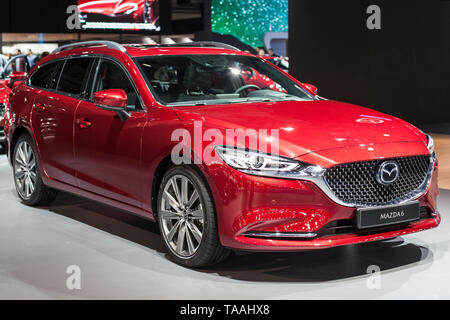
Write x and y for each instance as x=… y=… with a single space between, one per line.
x=27 y=174
x=187 y=219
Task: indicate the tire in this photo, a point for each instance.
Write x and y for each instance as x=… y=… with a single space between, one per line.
x=195 y=217
x=27 y=171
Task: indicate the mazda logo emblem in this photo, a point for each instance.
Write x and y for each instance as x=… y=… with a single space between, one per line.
x=388 y=172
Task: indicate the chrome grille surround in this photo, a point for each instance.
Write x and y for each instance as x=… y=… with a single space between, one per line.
x=354 y=184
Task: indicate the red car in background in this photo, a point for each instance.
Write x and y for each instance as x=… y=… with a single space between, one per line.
x=109 y=122
x=4 y=94
x=15 y=71
x=136 y=11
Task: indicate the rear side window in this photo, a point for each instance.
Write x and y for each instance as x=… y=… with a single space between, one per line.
x=46 y=76
x=74 y=75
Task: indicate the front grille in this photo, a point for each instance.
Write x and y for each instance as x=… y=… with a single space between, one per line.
x=355 y=183
x=2 y=109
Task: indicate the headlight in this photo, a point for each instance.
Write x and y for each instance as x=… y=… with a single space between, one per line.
x=262 y=164
x=430 y=144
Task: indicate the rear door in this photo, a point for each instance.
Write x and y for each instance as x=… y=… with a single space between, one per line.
x=107 y=149
x=53 y=114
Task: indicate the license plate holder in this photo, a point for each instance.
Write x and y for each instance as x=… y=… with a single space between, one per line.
x=389 y=215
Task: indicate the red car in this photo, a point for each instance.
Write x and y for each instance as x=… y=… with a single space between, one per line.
x=156 y=131
x=15 y=70
x=4 y=93
x=136 y=11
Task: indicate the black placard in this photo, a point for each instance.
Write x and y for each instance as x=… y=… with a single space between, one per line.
x=376 y=217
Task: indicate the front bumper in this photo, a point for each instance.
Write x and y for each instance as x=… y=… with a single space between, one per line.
x=266 y=214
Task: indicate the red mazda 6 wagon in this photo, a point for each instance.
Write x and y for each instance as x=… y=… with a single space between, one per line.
x=221 y=148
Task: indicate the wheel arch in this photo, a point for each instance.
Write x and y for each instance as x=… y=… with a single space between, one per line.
x=18 y=132
x=164 y=165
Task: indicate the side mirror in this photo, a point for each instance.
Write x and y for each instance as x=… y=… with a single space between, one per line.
x=113 y=100
x=310 y=87
x=18 y=76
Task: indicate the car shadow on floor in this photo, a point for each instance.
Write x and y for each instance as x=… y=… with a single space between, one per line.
x=309 y=266
x=109 y=219
x=323 y=265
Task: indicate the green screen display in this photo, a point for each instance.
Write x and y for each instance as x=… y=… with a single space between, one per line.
x=249 y=20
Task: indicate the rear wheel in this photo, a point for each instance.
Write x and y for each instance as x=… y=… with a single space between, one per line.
x=27 y=174
x=187 y=219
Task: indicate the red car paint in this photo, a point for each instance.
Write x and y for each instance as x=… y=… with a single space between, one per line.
x=129 y=10
x=4 y=95
x=115 y=161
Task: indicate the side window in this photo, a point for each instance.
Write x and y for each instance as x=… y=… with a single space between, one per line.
x=74 y=76
x=112 y=76
x=46 y=76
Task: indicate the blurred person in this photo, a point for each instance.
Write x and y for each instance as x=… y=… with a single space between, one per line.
x=3 y=62
x=9 y=69
x=260 y=51
x=44 y=54
x=19 y=64
x=31 y=57
x=272 y=53
x=41 y=56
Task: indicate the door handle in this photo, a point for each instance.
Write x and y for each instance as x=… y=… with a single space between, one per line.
x=83 y=123
x=39 y=107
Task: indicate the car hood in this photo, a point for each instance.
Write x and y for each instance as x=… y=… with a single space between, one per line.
x=308 y=127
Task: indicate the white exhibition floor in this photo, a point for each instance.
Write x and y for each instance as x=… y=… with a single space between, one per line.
x=122 y=257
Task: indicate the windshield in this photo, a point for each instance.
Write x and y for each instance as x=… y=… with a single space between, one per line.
x=217 y=79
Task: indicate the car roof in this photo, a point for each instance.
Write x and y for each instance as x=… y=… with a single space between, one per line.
x=146 y=50
x=140 y=50
x=113 y=49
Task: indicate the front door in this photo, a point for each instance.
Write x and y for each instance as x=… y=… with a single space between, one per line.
x=107 y=149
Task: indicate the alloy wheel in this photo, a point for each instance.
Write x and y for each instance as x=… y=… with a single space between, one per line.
x=182 y=216
x=25 y=170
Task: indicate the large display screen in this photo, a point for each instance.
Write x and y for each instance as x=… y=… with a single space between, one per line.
x=132 y=15
x=249 y=20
